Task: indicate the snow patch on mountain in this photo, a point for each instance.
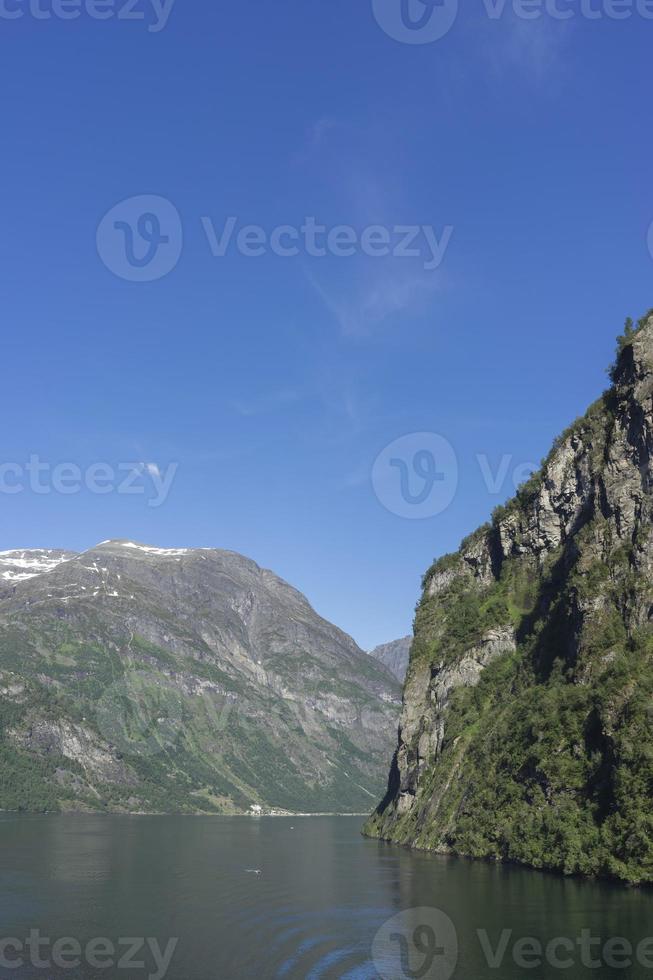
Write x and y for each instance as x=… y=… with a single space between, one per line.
x=18 y=565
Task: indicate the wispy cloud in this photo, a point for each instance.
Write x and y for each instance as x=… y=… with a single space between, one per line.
x=363 y=292
x=265 y=404
x=319 y=131
x=536 y=48
x=361 y=309
x=358 y=477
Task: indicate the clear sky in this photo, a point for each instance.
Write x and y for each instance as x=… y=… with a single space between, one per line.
x=274 y=381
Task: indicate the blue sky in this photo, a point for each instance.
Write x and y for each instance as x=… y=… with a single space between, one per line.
x=274 y=382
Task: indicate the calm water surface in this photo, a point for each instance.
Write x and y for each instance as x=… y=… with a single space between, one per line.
x=322 y=895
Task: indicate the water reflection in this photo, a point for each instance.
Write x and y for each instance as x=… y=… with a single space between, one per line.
x=322 y=895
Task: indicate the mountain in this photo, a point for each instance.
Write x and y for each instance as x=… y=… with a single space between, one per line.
x=16 y=566
x=394 y=656
x=136 y=678
x=526 y=729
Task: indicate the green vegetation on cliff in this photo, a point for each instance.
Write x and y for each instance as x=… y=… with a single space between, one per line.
x=526 y=733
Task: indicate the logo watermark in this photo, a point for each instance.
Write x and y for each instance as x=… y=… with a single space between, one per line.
x=567 y=9
x=42 y=477
x=415 y=21
x=142 y=712
x=426 y=21
x=317 y=240
x=418 y=943
x=495 y=477
x=141 y=239
x=564 y=952
x=154 y=14
x=417 y=475
x=423 y=942
x=131 y=953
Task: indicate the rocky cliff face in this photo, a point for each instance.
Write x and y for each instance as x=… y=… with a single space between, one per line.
x=394 y=656
x=148 y=679
x=526 y=730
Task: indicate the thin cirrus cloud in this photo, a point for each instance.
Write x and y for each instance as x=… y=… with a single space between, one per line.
x=367 y=291
x=266 y=404
x=359 y=310
x=320 y=130
x=536 y=47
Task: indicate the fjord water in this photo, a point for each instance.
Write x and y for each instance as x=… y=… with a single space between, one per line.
x=321 y=896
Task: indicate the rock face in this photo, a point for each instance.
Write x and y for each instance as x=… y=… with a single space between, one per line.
x=394 y=656
x=148 y=679
x=525 y=733
x=17 y=566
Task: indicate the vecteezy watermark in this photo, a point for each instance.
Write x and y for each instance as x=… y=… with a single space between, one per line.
x=100 y=953
x=567 y=9
x=42 y=477
x=317 y=240
x=495 y=478
x=141 y=239
x=425 y=21
x=564 y=952
x=154 y=13
x=419 y=942
x=649 y=239
x=423 y=942
x=415 y=21
x=142 y=712
x=416 y=476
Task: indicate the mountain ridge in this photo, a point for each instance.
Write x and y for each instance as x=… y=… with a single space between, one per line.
x=525 y=732
x=146 y=679
x=394 y=655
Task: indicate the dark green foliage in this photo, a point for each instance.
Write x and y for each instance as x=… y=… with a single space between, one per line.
x=548 y=760
x=626 y=338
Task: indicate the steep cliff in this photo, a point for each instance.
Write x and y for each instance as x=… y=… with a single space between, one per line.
x=526 y=730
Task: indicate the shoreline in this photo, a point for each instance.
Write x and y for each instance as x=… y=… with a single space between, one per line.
x=165 y=813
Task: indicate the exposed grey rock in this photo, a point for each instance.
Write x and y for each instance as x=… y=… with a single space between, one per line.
x=245 y=692
x=556 y=593
x=394 y=656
